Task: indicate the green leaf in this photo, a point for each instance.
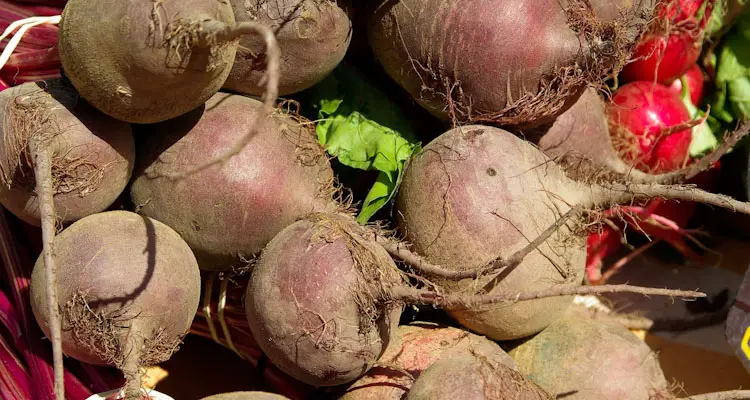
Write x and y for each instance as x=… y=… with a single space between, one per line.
x=730 y=100
x=703 y=140
x=363 y=129
x=739 y=97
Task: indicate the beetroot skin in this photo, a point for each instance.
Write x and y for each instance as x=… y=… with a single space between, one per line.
x=477 y=193
x=521 y=64
x=229 y=212
x=576 y=353
x=414 y=348
x=313 y=36
x=470 y=377
x=128 y=290
x=92 y=154
x=314 y=302
x=129 y=60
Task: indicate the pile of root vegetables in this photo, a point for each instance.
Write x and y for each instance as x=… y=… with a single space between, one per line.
x=365 y=199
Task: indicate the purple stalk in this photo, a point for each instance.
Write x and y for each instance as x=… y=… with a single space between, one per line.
x=39 y=367
x=14 y=380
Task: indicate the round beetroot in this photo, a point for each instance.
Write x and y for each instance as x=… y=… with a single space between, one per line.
x=414 y=348
x=92 y=155
x=128 y=291
x=313 y=36
x=470 y=197
x=137 y=62
x=583 y=351
x=521 y=64
x=229 y=212
x=315 y=300
x=472 y=378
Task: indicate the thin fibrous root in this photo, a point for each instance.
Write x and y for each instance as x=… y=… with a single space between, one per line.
x=212 y=32
x=427 y=297
x=418 y=263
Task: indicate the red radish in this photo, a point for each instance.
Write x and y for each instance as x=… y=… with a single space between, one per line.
x=639 y=111
x=673 y=43
x=659 y=219
x=642 y=119
x=695 y=82
x=637 y=116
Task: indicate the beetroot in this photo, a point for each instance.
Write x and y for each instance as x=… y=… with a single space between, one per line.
x=521 y=64
x=315 y=301
x=644 y=121
x=414 y=348
x=472 y=378
x=229 y=212
x=151 y=61
x=477 y=194
x=129 y=289
x=313 y=37
x=60 y=160
x=583 y=351
x=324 y=297
x=672 y=44
x=92 y=155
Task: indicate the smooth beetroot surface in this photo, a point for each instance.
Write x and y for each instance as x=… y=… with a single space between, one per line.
x=638 y=115
x=696 y=83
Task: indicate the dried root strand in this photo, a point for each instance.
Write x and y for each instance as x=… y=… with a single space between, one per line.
x=417 y=296
x=607 y=195
x=418 y=263
x=45 y=192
